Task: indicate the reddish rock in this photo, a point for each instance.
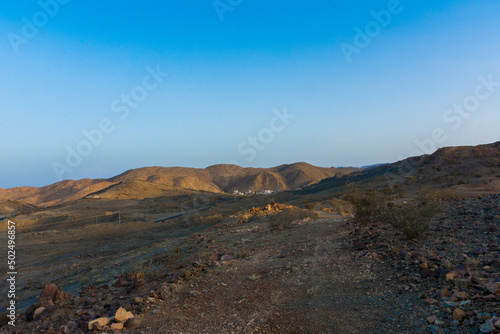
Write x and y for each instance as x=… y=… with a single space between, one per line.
x=443 y=293
x=52 y=295
x=459 y=314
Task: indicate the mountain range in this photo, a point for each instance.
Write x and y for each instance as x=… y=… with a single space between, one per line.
x=162 y=181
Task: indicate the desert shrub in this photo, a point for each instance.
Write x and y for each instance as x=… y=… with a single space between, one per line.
x=413 y=219
x=310 y=206
x=341 y=206
x=365 y=204
x=284 y=219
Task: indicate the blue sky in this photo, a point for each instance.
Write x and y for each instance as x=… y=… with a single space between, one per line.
x=232 y=66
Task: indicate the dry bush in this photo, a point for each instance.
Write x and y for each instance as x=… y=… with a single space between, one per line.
x=310 y=206
x=365 y=204
x=341 y=206
x=413 y=219
x=284 y=219
x=439 y=194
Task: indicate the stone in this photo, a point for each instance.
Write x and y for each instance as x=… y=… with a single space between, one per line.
x=140 y=279
x=450 y=304
x=29 y=312
x=461 y=295
x=487 y=327
x=462 y=283
x=464 y=303
x=47 y=296
x=38 y=313
x=431 y=301
x=122 y=315
x=226 y=258
x=188 y=274
x=424 y=265
x=439 y=323
x=449 y=277
x=432 y=319
x=52 y=295
x=492 y=287
x=117 y=326
x=459 y=314
x=132 y=323
x=98 y=324
x=443 y=293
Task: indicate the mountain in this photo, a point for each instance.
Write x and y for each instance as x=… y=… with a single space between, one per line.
x=467 y=167
x=164 y=181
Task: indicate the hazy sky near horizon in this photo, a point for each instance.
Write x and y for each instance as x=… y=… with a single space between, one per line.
x=84 y=90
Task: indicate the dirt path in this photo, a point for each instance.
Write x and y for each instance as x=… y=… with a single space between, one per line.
x=302 y=280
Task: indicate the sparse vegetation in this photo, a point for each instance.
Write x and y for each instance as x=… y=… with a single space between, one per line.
x=284 y=219
x=413 y=219
x=365 y=204
x=341 y=206
x=310 y=206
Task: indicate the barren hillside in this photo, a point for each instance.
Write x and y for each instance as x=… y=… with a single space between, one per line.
x=161 y=181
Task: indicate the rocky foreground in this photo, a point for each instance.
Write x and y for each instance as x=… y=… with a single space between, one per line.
x=455 y=269
x=328 y=275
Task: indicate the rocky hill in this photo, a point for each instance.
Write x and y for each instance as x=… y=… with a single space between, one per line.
x=161 y=181
x=462 y=167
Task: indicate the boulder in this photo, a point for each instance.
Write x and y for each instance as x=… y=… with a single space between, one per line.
x=52 y=295
x=132 y=323
x=98 y=324
x=117 y=326
x=122 y=315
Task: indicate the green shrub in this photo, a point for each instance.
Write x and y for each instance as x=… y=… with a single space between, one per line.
x=413 y=219
x=365 y=204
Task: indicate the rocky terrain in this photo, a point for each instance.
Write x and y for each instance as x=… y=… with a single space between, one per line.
x=186 y=261
x=326 y=275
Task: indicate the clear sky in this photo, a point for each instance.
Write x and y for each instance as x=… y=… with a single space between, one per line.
x=353 y=82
